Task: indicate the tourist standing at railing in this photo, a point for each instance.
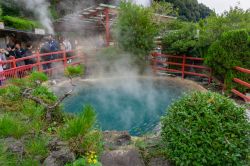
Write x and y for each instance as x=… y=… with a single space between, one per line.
x=45 y=48
x=19 y=53
x=54 y=46
x=10 y=51
x=68 y=47
x=29 y=52
x=2 y=59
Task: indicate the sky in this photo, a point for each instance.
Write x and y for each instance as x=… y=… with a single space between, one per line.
x=221 y=5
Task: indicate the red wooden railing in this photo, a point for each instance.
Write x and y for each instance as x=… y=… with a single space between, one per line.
x=15 y=71
x=243 y=83
x=161 y=59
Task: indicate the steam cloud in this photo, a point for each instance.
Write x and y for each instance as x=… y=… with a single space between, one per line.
x=41 y=10
x=144 y=3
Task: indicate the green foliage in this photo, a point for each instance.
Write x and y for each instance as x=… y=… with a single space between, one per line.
x=38 y=76
x=9 y=159
x=80 y=125
x=37 y=146
x=181 y=39
x=74 y=71
x=10 y=8
x=44 y=94
x=79 y=162
x=164 y=8
x=214 y=26
x=10 y=126
x=83 y=162
x=190 y=10
x=81 y=134
x=205 y=128
x=93 y=142
x=232 y=49
x=135 y=29
x=6 y=158
x=20 y=23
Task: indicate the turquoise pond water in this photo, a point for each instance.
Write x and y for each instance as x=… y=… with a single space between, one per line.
x=132 y=105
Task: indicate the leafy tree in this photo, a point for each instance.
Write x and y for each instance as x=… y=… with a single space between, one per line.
x=181 y=38
x=205 y=128
x=164 y=8
x=135 y=29
x=20 y=23
x=213 y=26
x=190 y=10
x=232 y=49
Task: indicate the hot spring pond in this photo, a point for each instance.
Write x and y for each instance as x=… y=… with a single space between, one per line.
x=135 y=105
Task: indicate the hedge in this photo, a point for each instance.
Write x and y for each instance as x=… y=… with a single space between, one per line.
x=20 y=23
x=205 y=128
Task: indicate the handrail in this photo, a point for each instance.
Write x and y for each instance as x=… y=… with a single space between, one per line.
x=183 y=65
x=243 y=70
x=38 y=63
x=241 y=82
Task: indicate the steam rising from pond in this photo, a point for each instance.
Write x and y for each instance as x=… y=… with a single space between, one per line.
x=145 y=3
x=41 y=11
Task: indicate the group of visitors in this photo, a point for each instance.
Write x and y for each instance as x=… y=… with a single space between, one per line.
x=47 y=45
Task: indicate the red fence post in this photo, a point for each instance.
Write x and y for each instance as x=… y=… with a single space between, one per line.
x=107 y=26
x=183 y=65
x=14 y=65
x=38 y=62
x=210 y=76
x=64 y=59
x=13 y=59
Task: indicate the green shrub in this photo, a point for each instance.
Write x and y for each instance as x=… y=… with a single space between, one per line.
x=81 y=134
x=80 y=125
x=6 y=158
x=206 y=129
x=10 y=159
x=74 y=71
x=20 y=23
x=232 y=49
x=37 y=146
x=38 y=76
x=180 y=41
x=83 y=161
x=45 y=94
x=11 y=127
x=135 y=29
x=93 y=142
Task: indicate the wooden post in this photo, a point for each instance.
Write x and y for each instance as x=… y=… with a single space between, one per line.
x=183 y=65
x=64 y=59
x=13 y=61
x=107 y=26
x=14 y=65
x=39 y=62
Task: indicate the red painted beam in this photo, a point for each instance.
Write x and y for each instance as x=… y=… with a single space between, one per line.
x=196 y=74
x=242 y=82
x=170 y=63
x=243 y=70
x=246 y=98
x=165 y=69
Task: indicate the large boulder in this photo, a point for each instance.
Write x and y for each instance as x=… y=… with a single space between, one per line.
x=14 y=146
x=59 y=158
x=158 y=162
x=129 y=157
x=60 y=153
x=114 y=139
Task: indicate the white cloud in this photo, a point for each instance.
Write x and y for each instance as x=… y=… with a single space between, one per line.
x=222 y=5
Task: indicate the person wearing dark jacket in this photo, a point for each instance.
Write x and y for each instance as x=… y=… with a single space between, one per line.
x=29 y=52
x=45 y=48
x=10 y=51
x=19 y=53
